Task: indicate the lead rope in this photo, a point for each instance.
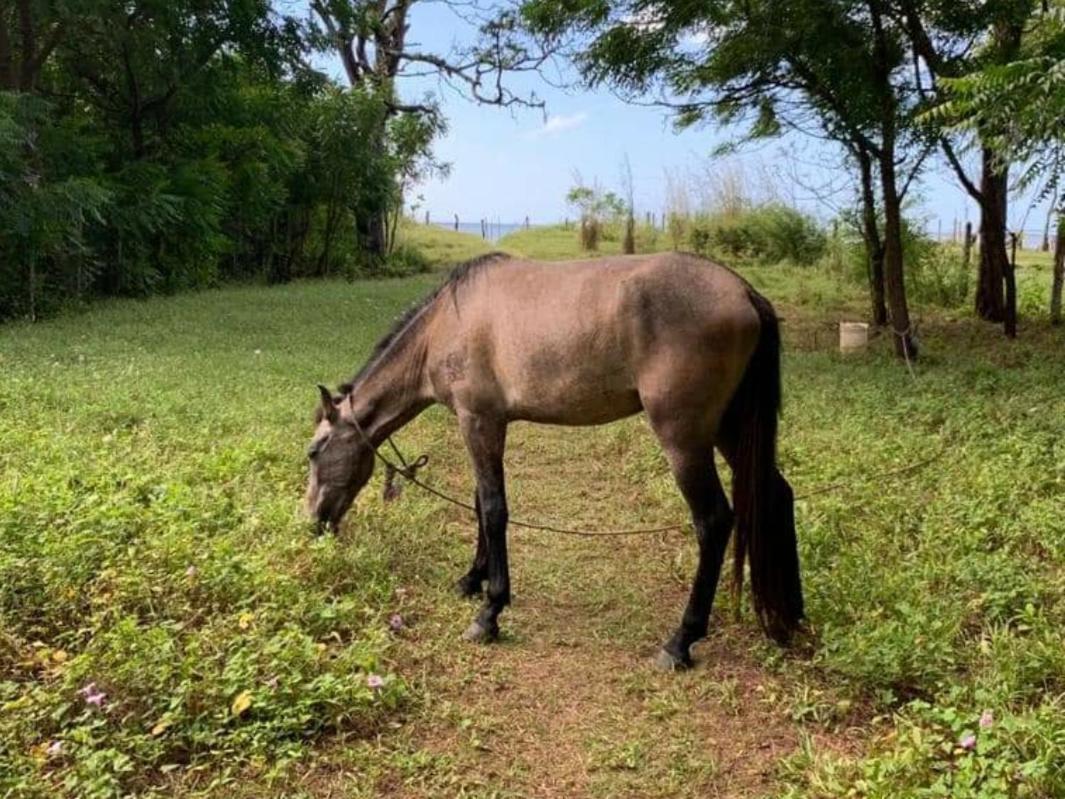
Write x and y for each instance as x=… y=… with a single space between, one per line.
x=409 y=472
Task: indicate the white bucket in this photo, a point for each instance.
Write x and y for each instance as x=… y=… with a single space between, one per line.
x=853 y=336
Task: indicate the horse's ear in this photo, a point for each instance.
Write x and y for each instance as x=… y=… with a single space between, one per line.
x=329 y=410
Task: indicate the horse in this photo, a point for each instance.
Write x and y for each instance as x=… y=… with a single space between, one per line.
x=683 y=339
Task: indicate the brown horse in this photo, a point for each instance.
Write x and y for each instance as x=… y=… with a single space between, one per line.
x=584 y=343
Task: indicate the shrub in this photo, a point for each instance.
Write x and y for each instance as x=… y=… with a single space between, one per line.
x=939 y=277
x=935 y=272
x=767 y=234
x=590 y=232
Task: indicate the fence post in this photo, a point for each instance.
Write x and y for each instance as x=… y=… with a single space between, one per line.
x=456 y=223
x=967 y=245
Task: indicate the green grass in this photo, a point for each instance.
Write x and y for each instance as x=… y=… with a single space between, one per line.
x=439 y=246
x=560 y=242
x=151 y=542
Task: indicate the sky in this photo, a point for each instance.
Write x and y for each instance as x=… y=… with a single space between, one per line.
x=509 y=164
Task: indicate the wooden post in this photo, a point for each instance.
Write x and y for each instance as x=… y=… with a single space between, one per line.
x=484 y=229
x=456 y=222
x=427 y=216
x=1059 y=273
x=967 y=246
x=526 y=221
x=1010 y=324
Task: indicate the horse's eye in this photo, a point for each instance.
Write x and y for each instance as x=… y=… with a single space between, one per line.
x=314 y=449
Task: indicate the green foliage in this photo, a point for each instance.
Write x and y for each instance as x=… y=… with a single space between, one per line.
x=1016 y=106
x=152 y=547
x=602 y=213
x=46 y=209
x=185 y=144
x=768 y=233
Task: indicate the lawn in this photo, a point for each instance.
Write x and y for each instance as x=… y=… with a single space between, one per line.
x=170 y=626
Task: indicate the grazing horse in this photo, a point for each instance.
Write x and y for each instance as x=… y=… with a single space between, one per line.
x=683 y=339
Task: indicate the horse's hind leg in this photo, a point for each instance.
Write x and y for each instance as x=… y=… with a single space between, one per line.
x=696 y=476
x=470 y=584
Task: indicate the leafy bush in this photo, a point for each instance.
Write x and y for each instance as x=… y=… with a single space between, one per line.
x=935 y=272
x=939 y=277
x=767 y=234
x=243 y=166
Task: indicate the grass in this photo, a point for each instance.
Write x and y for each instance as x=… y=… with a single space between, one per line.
x=151 y=468
x=441 y=247
x=559 y=242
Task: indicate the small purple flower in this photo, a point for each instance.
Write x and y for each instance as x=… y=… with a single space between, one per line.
x=272 y=683
x=92 y=695
x=987 y=718
x=375 y=681
x=191 y=571
x=395 y=622
x=55 y=749
x=968 y=743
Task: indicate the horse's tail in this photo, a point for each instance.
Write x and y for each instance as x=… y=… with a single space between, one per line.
x=761 y=497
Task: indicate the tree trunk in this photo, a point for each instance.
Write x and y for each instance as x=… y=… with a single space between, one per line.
x=1059 y=272
x=7 y=56
x=994 y=262
x=372 y=233
x=874 y=247
x=894 y=278
x=1045 y=244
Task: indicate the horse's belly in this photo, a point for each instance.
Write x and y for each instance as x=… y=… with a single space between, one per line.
x=586 y=404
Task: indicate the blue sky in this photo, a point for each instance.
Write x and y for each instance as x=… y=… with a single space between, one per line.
x=507 y=164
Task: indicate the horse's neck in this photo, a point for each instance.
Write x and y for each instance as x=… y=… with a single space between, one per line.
x=394 y=390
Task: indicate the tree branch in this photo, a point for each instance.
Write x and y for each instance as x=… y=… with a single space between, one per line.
x=948 y=151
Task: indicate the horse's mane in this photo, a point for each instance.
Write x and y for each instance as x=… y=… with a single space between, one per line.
x=460 y=274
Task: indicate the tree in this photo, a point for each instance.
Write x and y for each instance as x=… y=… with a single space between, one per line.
x=1017 y=108
x=163 y=145
x=29 y=33
x=837 y=69
x=950 y=39
x=371 y=39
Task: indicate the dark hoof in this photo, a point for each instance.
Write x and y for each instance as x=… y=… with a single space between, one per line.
x=667 y=661
x=465 y=587
x=477 y=633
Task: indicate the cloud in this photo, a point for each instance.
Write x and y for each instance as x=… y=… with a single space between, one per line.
x=560 y=123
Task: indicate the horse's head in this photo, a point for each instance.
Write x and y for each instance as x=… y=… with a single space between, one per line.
x=341 y=461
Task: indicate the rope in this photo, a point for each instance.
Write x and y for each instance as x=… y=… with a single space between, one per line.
x=409 y=473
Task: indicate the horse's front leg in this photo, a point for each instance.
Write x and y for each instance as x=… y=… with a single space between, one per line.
x=485 y=439
x=470 y=584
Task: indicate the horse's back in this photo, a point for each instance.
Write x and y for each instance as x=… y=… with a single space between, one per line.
x=585 y=342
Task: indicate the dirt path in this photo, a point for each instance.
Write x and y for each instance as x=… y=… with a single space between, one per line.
x=568 y=703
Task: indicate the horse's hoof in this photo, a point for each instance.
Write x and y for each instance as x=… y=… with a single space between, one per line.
x=667 y=661
x=477 y=633
x=468 y=589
